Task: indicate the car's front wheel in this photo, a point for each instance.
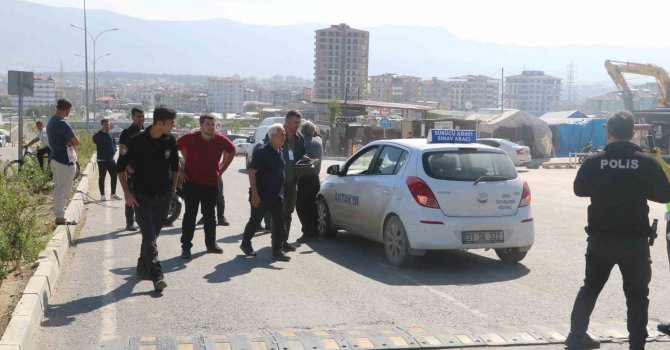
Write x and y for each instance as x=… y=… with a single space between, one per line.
x=325 y=225
x=396 y=244
x=510 y=254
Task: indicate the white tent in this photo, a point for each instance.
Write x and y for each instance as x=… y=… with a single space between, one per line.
x=513 y=119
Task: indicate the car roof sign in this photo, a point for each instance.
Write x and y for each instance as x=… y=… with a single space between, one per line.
x=451 y=136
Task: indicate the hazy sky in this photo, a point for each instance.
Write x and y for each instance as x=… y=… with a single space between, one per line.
x=527 y=22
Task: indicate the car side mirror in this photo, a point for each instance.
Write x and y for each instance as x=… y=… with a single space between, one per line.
x=333 y=170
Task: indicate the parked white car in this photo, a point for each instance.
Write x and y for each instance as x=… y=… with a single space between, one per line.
x=241 y=146
x=520 y=155
x=415 y=196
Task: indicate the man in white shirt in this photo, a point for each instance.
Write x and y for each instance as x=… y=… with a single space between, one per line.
x=44 y=140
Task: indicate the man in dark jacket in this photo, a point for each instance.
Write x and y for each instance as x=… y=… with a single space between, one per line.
x=619 y=182
x=292 y=151
x=105 y=146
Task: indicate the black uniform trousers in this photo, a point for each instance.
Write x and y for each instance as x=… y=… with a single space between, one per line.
x=151 y=214
x=130 y=210
x=635 y=267
x=276 y=209
x=104 y=167
x=308 y=188
x=205 y=197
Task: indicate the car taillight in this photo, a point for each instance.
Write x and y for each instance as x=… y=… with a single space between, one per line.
x=525 y=195
x=421 y=192
x=520 y=151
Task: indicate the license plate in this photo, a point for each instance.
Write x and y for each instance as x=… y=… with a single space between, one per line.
x=477 y=237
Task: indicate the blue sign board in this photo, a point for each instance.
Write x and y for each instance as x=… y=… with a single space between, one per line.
x=452 y=136
x=385 y=123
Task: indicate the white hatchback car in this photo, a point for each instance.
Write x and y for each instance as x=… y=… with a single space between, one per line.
x=520 y=155
x=241 y=146
x=415 y=196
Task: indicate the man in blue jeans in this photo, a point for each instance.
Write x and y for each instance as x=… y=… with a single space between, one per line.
x=105 y=147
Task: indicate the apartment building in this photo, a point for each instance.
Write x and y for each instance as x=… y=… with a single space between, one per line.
x=341 y=63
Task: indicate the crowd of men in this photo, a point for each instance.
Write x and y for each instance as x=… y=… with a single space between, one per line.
x=149 y=170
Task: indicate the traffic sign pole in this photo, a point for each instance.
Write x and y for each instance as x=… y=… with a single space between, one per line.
x=20 y=143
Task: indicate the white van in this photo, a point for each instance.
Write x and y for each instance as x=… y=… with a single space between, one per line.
x=258 y=137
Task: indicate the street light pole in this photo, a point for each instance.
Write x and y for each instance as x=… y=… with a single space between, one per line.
x=95 y=40
x=86 y=64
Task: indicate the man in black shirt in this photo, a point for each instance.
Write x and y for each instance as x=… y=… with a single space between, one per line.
x=619 y=182
x=266 y=179
x=152 y=156
x=135 y=128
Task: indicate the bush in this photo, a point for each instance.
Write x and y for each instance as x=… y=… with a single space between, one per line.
x=21 y=239
x=86 y=148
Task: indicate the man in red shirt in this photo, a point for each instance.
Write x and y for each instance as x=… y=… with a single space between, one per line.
x=202 y=151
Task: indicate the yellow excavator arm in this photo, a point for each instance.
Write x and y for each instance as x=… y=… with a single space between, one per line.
x=616 y=70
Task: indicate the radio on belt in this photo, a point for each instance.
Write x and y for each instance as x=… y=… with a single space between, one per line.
x=452 y=136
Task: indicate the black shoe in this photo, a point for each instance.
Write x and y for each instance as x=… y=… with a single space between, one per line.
x=200 y=222
x=664 y=326
x=279 y=256
x=306 y=238
x=214 y=249
x=142 y=271
x=583 y=341
x=223 y=222
x=267 y=229
x=247 y=249
x=185 y=253
x=287 y=248
x=131 y=228
x=159 y=284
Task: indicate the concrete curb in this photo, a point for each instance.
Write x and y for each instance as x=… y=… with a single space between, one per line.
x=21 y=329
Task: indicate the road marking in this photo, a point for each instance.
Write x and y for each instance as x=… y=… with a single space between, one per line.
x=439 y=293
x=108 y=312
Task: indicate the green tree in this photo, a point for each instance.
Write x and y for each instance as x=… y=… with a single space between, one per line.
x=333 y=111
x=5 y=101
x=187 y=121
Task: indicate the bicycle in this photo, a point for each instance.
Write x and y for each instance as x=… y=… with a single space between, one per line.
x=30 y=158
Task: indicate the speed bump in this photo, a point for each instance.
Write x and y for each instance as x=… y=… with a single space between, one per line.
x=415 y=337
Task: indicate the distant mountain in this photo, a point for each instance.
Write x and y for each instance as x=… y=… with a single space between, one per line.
x=38 y=37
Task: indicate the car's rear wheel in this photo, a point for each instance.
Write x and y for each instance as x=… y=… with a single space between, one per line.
x=325 y=226
x=395 y=242
x=246 y=157
x=510 y=254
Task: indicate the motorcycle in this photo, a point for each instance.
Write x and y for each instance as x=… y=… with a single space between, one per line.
x=587 y=150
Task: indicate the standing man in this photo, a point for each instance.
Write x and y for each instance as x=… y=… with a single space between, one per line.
x=135 y=128
x=293 y=150
x=266 y=179
x=619 y=181
x=152 y=156
x=63 y=158
x=44 y=140
x=105 y=147
x=309 y=184
x=202 y=151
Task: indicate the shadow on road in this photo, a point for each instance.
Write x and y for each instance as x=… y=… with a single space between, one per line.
x=63 y=314
x=453 y=267
x=241 y=265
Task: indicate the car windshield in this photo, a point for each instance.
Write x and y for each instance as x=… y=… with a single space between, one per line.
x=467 y=165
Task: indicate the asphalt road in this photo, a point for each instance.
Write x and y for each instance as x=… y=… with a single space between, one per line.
x=329 y=284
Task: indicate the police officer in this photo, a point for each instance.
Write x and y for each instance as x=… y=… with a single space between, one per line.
x=619 y=182
x=153 y=157
x=135 y=128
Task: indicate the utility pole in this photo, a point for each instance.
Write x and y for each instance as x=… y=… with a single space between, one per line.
x=571 y=78
x=86 y=63
x=502 y=90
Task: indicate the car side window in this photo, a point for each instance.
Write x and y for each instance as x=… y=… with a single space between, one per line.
x=361 y=164
x=390 y=160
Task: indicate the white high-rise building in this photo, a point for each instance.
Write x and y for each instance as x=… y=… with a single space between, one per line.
x=225 y=95
x=533 y=91
x=44 y=94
